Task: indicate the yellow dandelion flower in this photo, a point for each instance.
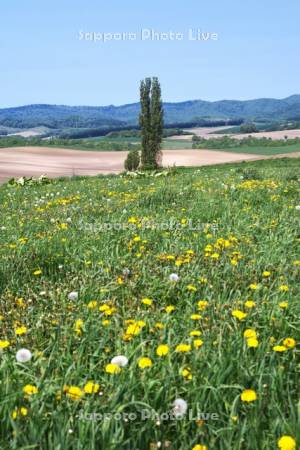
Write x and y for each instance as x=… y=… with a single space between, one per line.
x=92 y=304
x=198 y=343
x=36 y=273
x=4 y=344
x=196 y=317
x=144 y=363
x=110 y=311
x=91 y=388
x=286 y=443
x=19 y=412
x=169 y=308
x=23 y=411
x=202 y=304
x=183 y=348
x=191 y=288
x=29 y=389
x=20 y=330
x=133 y=329
x=162 y=350
x=74 y=393
x=250 y=304
x=78 y=326
x=283 y=288
x=289 y=342
x=250 y=333
x=283 y=305
x=248 y=395
x=252 y=342
x=203 y=280
x=195 y=333
x=147 y=301
x=187 y=374
x=105 y=322
x=279 y=348
x=240 y=315
x=104 y=307
x=112 y=368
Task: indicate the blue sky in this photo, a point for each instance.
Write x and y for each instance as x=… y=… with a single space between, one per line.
x=44 y=61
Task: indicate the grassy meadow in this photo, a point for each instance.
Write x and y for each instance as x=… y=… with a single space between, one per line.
x=191 y=275
x=251 y=145
x=264 y=150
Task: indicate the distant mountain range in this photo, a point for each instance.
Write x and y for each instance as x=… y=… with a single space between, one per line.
x=62 y=117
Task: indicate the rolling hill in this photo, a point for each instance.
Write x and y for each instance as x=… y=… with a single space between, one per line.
x=61 y=117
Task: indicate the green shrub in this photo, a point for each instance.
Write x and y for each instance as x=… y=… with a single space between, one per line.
x=132 y=161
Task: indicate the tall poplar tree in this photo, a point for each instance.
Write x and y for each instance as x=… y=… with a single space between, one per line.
x=151 y=123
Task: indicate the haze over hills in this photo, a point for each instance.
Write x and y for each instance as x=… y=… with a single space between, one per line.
x=60 y=116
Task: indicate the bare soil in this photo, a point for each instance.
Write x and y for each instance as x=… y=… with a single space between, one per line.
x=54 y=162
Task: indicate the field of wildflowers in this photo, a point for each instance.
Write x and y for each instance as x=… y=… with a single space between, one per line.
x=144 y=312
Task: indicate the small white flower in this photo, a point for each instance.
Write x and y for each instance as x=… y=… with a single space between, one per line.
x=179 y=407
x=69 y=220
x=73 y=296
x=120 y=361
x=23 y=355
x=126 y=272
x=298 y=207
x=174 y=277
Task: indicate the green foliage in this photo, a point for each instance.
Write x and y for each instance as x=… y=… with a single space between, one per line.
x=167 y=132
x=151 y=123
x=76 y=144
x=60 y=117
x=54 y=116
x=229 y=143
x=248 y=127
x=132 y=161
x=24 y=181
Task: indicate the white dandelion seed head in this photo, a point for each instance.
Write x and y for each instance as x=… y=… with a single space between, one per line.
x=23 y=355
x=179 y=407
x=73 y=296
x=120 y=361
x=69 y=220
x=298 y=208
x=174 y=277
x=126 y=272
